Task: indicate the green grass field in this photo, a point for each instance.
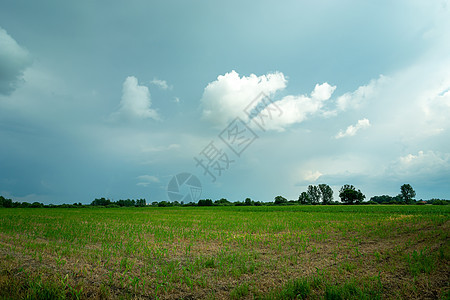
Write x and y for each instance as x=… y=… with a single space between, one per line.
x=269 y=252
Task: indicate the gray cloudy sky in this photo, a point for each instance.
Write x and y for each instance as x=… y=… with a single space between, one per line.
x=113 y=98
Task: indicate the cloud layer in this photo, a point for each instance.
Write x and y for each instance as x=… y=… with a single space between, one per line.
x=75 y=127
x=13 y=61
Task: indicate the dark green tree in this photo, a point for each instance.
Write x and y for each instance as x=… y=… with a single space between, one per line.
x=248 y=202
x=436 y=201
x=126 y=203
x=165 y=204
x=5 y=202
x=381 y=199
x=36 y=205
x=222 y=202
x=101 y=201
x=205 y=202
x=350 y=195
x=313 y=194
x=326 y=193
x=280 y=200
x=304 y=198
x=407 y=193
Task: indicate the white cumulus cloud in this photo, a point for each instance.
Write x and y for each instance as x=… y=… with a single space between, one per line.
x=353 y=129
x=322 y=91
x=145 y=180
x=162 y=84
x=436 y=107
x=311 y=176
x=353 y=100
x=423 y=163
x=13 y=61
x=296 y=109
x=161 y=148
x=227 y=97
x=135 y=102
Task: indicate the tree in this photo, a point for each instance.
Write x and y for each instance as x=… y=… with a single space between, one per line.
x=304 y=198
x=381 y=199
x=407 y=193
x=36 y=205
x=222 y=202
x=5 y=202
x=101 y=201
x=205 y=202
x=280 y=200
x=314 y=194
x=326 y=193
x=436 y=201
x=350 y=195
x=126 y=203
x=248 y=202
x=165 y=204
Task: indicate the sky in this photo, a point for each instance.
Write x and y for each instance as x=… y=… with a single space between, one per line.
x=252 y=98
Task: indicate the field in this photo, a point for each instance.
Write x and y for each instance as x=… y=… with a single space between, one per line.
x=268 y=252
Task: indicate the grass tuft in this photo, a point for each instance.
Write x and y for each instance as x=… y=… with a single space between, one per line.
x=240 y=291
x=44 y=290
x=293 y=289
x=420 y=262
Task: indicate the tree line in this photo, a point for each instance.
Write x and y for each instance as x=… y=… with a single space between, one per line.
x=8 y=203
x=119 y=203
x=348 y=194
x=321 y=194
